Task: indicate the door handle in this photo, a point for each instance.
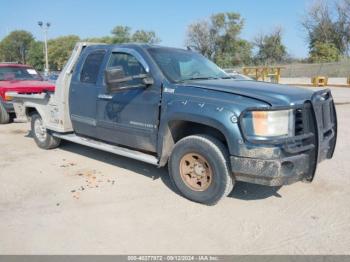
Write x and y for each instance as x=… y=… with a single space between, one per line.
x=105 y=97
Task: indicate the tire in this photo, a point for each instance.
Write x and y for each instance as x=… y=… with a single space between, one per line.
x=198 y=156
x=12 y=117
x=4 y=116
x=42 y=136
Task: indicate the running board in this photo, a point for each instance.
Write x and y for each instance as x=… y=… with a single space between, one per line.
x=109 y=148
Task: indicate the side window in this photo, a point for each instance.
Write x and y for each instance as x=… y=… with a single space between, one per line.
x=130 y=67
x=127 y=62
x=91 y=67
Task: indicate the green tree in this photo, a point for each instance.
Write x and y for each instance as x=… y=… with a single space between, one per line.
x=60 y=50
x=324 y=52
x=104 y=39
x=121 y=34
x=328 y=25
x=36 y=55
x=218 y=39
x=141 y=36
x=271 y=50
x=15 y=46
x=241 y=54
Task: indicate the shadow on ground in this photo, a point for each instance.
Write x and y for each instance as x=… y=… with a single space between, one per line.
x=243 y=191
x=247 y=191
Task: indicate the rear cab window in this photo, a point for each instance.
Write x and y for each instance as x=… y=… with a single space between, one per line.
x=91 y=67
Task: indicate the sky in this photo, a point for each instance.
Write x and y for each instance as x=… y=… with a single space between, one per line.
x=169 y=19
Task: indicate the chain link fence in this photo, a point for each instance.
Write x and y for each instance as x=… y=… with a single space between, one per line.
x=336 y=69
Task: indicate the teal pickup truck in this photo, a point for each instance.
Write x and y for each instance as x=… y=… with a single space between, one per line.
x=174 y=107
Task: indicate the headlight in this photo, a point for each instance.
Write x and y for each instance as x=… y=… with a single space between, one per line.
x=269 y=123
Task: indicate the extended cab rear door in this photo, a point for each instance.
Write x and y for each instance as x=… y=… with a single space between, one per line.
x=129 y=116
x=85 y=86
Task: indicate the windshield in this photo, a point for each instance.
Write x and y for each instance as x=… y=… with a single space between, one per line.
x=18 y=73
x=181 y=65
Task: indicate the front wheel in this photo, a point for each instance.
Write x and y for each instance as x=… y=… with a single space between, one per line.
x=199 y=168
x=43 y=138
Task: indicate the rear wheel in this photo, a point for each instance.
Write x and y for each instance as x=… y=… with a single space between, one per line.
x=4 y=116
x=199 y=168
x=43 y=138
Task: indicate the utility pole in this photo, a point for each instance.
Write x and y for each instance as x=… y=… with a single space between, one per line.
x=45 y=28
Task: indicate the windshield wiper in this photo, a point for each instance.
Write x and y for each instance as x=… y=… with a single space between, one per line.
x=198 y=78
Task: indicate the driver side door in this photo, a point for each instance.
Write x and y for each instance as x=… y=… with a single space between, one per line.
x=128 y=115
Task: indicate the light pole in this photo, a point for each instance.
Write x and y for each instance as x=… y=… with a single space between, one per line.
x=45 y=28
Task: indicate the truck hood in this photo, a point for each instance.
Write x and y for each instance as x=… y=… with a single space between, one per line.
x=273 y=94
x=25 y=86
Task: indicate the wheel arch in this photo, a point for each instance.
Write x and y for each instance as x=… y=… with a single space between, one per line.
x=32 y=109
x=181 y=126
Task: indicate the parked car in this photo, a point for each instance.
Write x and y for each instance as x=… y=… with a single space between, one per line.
x=51 y=77
x=237 y=76
x=22 y=79
x=171 y=106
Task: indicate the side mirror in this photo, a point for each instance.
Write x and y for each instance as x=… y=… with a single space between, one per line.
x=148 y=81
x=115 y=76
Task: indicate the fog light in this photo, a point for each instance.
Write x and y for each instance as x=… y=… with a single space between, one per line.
x=287 y=167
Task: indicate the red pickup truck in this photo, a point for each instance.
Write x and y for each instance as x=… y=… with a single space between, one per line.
x=22 y=79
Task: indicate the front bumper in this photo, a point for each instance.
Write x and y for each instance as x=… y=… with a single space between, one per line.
x=275 y=172
x=314 y=142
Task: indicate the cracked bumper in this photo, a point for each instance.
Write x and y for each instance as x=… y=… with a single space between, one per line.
x=275 y=172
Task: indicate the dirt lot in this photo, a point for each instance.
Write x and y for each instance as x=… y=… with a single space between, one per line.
x=76 y=200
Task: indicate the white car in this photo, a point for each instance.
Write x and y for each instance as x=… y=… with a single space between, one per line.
x=237 y=76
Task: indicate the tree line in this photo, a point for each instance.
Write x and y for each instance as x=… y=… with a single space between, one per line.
x=20 y=46
x=326 y=25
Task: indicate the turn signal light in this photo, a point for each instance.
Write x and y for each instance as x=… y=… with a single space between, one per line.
x=8 y=98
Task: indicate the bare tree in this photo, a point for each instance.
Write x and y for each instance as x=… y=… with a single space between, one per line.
x=199 y=36
x=318 y=23
x=343 y=24
x=328 y=23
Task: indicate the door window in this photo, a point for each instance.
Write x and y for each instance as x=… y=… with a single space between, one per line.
x=89 y=73
x=131 y=68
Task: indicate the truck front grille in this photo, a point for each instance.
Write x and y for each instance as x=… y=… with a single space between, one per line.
x=304 y=130
x=299 y=122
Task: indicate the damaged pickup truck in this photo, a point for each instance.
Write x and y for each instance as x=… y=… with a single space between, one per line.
x=168 y=106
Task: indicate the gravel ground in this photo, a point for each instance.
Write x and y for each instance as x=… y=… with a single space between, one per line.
x=77 y=200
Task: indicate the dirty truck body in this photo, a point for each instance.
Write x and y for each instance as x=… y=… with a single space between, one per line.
x=167 y=106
